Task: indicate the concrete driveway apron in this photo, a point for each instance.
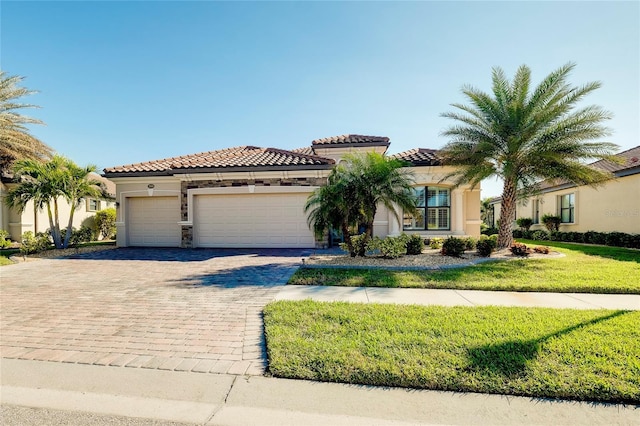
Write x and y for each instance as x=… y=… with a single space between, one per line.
x=169 y=309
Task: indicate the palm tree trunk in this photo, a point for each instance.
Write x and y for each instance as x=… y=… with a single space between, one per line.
x=55 y=235
x=67 y=237
x=507 y=213
x=56 y=225
x=347 y=239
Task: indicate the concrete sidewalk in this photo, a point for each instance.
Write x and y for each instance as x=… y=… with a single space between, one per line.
x=218 y=399
x=460 y=297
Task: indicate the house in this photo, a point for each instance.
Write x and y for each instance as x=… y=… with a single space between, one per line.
x=253 y=197
x=30 y=219
x=614 y=206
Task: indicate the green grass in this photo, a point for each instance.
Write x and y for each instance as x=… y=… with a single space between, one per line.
x=560 y=353
x=4 y=256
x=585 y=269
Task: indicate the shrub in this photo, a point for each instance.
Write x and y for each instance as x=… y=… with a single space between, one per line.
x=519 y=249
x=519 y=233
x=4 y=239
x=490 y=231
x=469 y=243
x=415 y=245
x=360 y=245
x=539 y=235
x=83 y=235
x=541 y=249
x=593 y=237
x=524 y=223
x=551 y=222
x=486 y=245
x=34 y=243
x=106 y=222
x=436 y=243
x=453 y=247
x=616 y=239
x=391 y=247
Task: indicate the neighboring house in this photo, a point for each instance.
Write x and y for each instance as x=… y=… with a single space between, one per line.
x=30 y=219
x=614 y=206
x=254 y=197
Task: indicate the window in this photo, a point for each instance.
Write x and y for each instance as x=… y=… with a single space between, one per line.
x=536 y=211
x=434 y=210
x=490 y=219
x=93 y=205
x=567 y=208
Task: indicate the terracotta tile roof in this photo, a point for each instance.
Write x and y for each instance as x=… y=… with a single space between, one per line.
x=420 y=157
x=352 y=140
x=631 y=159
x=307 y=150
x=238 y=157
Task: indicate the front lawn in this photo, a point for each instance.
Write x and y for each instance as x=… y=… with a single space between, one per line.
x=560 y=353
x=585 y=269
x=5 y=254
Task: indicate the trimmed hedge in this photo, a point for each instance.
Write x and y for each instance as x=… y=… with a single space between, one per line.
x=614 y=239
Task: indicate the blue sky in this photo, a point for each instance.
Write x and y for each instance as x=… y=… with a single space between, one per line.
x=124 y=82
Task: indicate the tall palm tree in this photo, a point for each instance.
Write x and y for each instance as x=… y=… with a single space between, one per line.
x=379 y=180
x=16 y=142
x=525 y=136
x=46 y=184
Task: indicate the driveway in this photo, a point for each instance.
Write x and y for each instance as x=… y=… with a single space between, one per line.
x=169 y=309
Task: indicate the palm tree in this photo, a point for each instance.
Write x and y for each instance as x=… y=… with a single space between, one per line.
x=16 y=142
x=78 y=185
x=355 y=189
x=524 y=137
x=46 y=184
x=330 y=207
x=379 y=180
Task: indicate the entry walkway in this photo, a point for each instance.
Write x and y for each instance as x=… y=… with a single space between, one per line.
x=417 y=296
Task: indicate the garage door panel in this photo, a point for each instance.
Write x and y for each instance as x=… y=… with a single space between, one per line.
x=251 y=220
x=153 y=222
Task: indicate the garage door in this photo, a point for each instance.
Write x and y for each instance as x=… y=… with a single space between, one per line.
x=153 y=222
x=251 y=221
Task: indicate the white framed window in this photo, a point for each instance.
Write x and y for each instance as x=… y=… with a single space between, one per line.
x=568 y=208
x=535 y=213
x=93 y=205
x=433 y=210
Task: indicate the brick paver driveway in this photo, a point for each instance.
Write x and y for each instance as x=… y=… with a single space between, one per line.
x=173 y=309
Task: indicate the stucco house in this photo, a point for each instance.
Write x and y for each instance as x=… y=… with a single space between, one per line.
x=30 y=219
x=253 y=197
x=614 y=206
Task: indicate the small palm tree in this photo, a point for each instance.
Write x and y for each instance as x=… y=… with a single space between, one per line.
x=525 y=136
x=46 y=184
x=16 y=142
x=355 y=189
x=330 y=207
x=379 y=180
x=78 y=185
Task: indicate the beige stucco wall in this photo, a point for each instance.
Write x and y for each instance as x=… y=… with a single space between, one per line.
x=465 y=207
x=17 y=223
x=614 y=206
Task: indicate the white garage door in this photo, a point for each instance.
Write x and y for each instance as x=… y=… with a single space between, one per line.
x=251 y=221
x=153 y=221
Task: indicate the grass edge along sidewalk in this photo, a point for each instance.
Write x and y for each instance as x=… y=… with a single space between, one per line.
x=584 y=269
x=537 y=352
